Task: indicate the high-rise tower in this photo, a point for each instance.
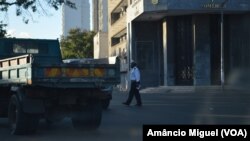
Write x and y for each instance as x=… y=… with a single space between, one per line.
x=76 y=18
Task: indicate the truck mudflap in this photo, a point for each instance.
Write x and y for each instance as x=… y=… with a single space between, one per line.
x=87 y=117
x=33 y=106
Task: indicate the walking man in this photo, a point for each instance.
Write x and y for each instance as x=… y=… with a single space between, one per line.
x=135 y=85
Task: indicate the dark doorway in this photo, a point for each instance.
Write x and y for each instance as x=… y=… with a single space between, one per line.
x=215 y=49
x=183 y=50
x=146 y=59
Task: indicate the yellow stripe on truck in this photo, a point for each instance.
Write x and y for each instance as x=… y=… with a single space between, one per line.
x=53 y=72
x=85 y=72
x=99 y=72
x=74 y=72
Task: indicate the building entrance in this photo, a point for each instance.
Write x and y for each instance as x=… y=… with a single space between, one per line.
x=183 y=50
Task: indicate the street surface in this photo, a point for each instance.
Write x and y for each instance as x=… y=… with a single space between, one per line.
x=181 y=105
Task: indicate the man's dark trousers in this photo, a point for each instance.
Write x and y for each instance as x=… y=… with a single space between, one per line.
x=134 y=92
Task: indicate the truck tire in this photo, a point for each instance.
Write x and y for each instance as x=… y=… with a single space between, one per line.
x=88 y=117
x=21 y=123
x=105 y=104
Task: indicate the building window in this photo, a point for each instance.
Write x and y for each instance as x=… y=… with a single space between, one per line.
x=115 y=41
x=119 y=39
x=114 y=17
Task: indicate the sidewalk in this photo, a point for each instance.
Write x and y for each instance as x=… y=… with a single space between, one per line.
x=188 y=89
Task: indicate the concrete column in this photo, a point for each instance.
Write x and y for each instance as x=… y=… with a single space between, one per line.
x=164 y=40
x=202 y=47
x=168 y=51
x=129 y=53
x=129 y=42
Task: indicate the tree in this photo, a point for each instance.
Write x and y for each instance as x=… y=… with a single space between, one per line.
x=27 y=7
x=2 y=30
x=78 y=44
x=33 y=5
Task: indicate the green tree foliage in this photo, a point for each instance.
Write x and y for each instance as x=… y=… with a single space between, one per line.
x=2 y=30
x=78 y=44
x=27 y=7
x=33 y=5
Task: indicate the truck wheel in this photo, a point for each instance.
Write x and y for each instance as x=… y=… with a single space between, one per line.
x=21 y=123
x=105 y=104
x=88 y=117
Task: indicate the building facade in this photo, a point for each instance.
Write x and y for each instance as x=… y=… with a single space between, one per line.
x=76 y=18
x=195 y=42
x=117 y=35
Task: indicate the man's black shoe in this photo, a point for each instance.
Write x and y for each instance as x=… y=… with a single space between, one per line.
x=125 y=103
x=138 y=105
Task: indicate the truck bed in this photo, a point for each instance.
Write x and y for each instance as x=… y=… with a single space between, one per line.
x=23 y=70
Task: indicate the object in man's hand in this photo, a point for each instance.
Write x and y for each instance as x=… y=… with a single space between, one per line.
x=138 y=85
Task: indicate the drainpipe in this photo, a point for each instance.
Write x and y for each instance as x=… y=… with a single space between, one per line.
x=222 y=6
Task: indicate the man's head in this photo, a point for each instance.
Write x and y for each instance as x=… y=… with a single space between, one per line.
x=133 y=64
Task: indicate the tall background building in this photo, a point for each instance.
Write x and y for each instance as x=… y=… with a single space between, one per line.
x=76 y=18
x=100 y=26
x=95 y=15
x=100 y=15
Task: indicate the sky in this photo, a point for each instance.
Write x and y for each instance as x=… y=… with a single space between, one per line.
x=40 y=26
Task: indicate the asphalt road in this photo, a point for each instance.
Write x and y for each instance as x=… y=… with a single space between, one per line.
x=124 y=123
